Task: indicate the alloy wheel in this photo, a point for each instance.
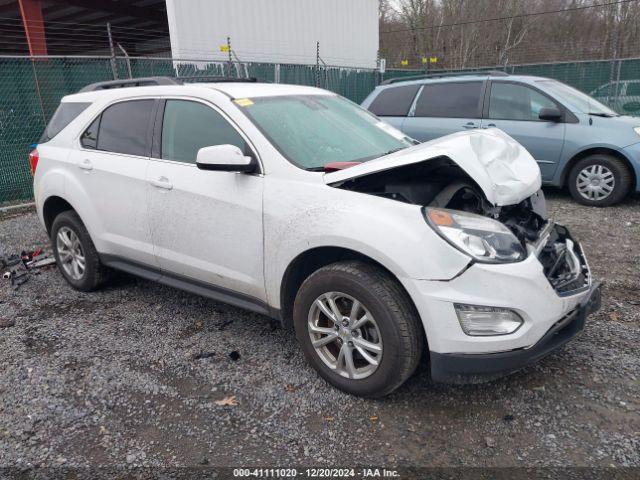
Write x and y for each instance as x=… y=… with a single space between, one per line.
x=70 y=252
x=345 y=335
x=595 y=182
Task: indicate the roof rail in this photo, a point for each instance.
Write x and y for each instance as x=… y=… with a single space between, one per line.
x=154 y=81
x=491 y=73
x=216 y=79
x=130 y=82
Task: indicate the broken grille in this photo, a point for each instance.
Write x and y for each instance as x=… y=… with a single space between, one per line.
x=564 y=262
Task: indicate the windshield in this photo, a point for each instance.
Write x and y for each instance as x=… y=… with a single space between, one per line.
x=313 y=130
x=579 y=101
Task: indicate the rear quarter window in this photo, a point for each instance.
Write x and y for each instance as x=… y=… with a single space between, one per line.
x=394 y=101
x=63 y=116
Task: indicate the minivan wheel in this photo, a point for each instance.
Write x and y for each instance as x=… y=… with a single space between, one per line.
x=358 y=328
x=76 y=256
x=599 y=180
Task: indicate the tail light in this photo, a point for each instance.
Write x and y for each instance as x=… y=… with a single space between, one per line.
x=33 y=161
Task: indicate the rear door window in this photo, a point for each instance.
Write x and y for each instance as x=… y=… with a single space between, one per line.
x=189 y=126
x=124 y=128
x=63 y=116
x=394 y=101
x=450 y=100
x=509 y=101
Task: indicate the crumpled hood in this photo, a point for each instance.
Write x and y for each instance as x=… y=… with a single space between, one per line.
x=504 y=170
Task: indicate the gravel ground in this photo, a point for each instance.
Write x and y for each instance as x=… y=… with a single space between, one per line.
x=132 y=375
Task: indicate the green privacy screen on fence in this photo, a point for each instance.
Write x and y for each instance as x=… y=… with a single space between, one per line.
x=31 y=89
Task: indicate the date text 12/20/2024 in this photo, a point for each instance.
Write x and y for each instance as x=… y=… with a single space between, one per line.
x=315 y=473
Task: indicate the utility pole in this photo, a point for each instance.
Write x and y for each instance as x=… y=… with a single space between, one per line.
x=114 y=64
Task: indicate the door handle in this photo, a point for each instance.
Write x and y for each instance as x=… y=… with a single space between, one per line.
x=162 y=182
x=491 y=124
x=86 y=164
x=469 y=126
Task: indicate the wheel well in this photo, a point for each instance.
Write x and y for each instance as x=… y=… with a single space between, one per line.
x=592 y=151
x=53 y=207
x=308 y=262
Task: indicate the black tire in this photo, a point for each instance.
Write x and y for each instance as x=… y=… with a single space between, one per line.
x=621 y=174
x=94 y=273
x=396 y=317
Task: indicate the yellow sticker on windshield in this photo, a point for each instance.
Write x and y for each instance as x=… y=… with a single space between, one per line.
x=243 y=102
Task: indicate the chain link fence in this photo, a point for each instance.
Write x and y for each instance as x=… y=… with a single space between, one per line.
x=31 y=89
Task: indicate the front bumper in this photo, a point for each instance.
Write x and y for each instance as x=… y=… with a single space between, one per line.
x=470 y=368
x=551 y=290
x=632 y=152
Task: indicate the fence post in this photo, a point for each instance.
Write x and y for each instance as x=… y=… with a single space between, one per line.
x=317 y=64
x=276 y=73
x=126 y=56
x=612 y=71
x=230 y=58
x=114 y=64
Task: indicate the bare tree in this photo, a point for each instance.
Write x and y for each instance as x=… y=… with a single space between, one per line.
x=479 y=33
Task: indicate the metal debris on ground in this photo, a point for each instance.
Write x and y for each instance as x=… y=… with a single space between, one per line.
x=229 y=401
x=17 y=268
x=201 y=355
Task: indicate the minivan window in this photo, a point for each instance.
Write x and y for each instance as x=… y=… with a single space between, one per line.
x=188 y=126
x=577 y=100
x=633 y=89
x=394 y=101
x=510 y=101
x=63 y=116
x=453 y=100
x=124 y=126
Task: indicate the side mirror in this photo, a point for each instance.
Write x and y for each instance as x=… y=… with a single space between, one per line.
x=224 y=158
x=550 y=114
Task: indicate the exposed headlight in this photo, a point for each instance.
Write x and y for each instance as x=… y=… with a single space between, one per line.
x=485 y=239
x=482 y=321
x=637 y=130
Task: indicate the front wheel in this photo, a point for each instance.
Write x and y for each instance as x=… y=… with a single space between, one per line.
x=599 y=180
x=358 y=328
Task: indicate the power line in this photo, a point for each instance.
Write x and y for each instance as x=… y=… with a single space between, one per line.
x=521 y=15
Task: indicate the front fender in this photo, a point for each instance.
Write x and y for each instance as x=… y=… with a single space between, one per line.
x=392 y=233
x=631 y=153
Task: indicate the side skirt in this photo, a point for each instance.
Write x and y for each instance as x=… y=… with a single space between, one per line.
x=190 y=285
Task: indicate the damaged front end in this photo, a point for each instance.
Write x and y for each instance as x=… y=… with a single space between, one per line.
x=563 y=261
x=481 y=193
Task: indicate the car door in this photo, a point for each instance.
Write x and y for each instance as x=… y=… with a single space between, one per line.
x=206 y=225
x=514 y=108
x=443 y=108
x=112 y=168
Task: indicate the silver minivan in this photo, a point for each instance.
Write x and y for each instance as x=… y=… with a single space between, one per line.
x=577 y=141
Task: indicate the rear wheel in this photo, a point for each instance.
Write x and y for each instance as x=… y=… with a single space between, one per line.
x=358 y=328
x=76 y=256
x=599 y=180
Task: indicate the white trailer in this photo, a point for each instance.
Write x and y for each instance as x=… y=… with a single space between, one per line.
x=275 y=31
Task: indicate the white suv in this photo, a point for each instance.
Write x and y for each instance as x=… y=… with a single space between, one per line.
x=296 y=203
